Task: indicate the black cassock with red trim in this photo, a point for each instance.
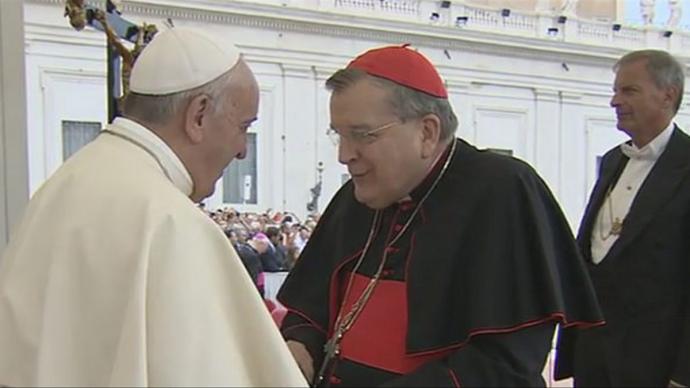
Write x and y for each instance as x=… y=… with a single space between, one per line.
x=468 y=296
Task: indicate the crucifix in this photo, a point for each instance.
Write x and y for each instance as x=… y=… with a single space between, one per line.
x=118 y=30
x=331 y=350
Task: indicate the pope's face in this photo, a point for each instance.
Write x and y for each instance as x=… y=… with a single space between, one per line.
x=228 y=123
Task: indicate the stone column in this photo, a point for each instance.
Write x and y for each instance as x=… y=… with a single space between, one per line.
x=572 y=177
x=14 y=182
x=548 y=127
x=300 y=136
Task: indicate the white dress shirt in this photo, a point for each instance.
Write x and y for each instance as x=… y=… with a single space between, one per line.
x=618 y=201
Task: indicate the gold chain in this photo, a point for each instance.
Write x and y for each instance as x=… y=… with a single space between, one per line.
x=616 y=224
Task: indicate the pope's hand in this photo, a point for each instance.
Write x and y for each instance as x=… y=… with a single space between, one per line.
x=303 y=358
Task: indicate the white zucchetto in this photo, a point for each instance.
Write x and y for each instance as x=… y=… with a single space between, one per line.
x=180 y=59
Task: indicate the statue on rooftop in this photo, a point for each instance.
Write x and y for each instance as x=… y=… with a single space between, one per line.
x=569 y=7
x=675 y=8
x=647 y=11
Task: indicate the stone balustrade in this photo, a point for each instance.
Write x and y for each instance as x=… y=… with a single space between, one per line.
x=458 y=15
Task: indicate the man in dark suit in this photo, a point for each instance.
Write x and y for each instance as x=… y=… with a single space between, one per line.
x=635 y=238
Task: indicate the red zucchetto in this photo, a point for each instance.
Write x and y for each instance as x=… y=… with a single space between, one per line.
x=403 y=66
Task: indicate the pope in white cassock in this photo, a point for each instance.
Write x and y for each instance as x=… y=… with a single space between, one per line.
x=114 y=277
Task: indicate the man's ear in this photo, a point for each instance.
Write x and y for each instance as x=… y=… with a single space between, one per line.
x=431 y=134
x=671 y=95
x=197 y=113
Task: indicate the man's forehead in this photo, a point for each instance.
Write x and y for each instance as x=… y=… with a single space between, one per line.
x=360 y=118
x=636 y=66
x=631 y=76
x=363 y=88
x=365 y=100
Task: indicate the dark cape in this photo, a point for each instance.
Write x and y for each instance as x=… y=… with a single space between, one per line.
x=493 y=254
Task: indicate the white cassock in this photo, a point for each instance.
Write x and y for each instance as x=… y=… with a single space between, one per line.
x=115 y=278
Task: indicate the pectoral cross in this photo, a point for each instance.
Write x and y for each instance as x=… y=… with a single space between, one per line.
x=331 y=351
x=332 y=347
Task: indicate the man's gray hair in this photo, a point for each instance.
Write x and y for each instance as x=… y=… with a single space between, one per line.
x=407 y=103
x=153 y=109
x=664 y=69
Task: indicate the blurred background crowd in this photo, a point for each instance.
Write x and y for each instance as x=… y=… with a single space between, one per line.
x=268 y=243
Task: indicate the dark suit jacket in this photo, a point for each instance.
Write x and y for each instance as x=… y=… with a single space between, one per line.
x=643 y=283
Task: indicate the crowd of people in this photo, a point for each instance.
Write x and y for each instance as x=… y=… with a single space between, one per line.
x=265 y=242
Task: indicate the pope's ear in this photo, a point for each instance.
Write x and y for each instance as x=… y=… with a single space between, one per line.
x=196 y=115
x=431 y=134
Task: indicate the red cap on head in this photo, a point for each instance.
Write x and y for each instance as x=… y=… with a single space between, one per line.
x=403 y=66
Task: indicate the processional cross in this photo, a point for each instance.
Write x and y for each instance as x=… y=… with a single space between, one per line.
x=118 y=30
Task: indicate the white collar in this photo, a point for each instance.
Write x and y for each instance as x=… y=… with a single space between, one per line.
x=169 y=162
x=652 y=150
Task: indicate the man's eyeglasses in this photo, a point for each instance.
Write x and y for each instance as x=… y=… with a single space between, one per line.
x=358 y=137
